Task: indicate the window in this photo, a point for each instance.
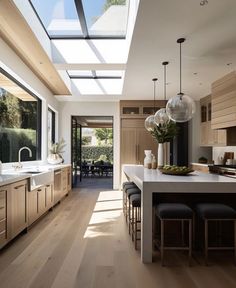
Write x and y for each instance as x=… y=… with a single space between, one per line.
x=51 y=127
x=20 y=121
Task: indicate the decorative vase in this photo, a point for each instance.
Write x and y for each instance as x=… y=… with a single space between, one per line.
x=54 y=159
x=160 y=155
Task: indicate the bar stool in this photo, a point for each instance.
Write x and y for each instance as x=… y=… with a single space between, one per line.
x=175 y=212
x=135 y=203
x=210 y=212
x=125 y=186
x=129 y=193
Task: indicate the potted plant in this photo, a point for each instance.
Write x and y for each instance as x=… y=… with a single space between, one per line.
x=56 y=149
x=163 y=133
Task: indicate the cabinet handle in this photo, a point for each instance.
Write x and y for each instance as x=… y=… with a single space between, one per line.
x=47 y=185
x=138 y=153
x=39 y=190
x=17 y=187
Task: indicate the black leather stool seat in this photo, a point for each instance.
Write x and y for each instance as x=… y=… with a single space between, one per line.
x=127 y=183
x=174 y=211
x=135 y=200
x=215 y=211
x=132 y=191
x=129 y=186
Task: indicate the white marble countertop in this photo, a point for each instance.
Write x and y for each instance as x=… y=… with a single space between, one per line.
x=6 y=179
x=202 y=164
x=193 y=182
x=9 y=176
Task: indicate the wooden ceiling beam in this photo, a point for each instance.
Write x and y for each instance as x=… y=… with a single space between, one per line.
x=18 y=35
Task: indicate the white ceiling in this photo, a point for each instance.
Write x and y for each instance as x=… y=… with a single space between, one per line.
x=210 y=44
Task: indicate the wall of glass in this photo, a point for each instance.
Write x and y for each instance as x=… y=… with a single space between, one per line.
x=20 y=121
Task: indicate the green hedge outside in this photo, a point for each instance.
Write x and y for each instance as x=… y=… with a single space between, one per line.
x=12 y=139
x=93 y=153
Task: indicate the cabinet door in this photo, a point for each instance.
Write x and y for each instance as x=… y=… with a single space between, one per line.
x=32 y=206
x=18 y=207
x=41 y=200
x=68 y=179
x=3 y=215
x=204 y=134
x=64 y=181
x=144 y=141
x=49 y=196
x=128 y=146
x=57 y=186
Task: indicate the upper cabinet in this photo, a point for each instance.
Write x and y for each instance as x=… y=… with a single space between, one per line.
x=209 y=136
x=224 y=102
x=139 y=109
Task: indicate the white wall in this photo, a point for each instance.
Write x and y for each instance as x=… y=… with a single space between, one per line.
x=68 y=109
x=12 y=64
x=195 y=150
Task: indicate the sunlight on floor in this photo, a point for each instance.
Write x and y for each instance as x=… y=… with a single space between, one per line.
x=107 y=210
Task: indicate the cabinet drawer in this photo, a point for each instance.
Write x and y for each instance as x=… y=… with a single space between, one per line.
x=3 y=237
x=2 y=198
x=2 y=225
x=2 y=212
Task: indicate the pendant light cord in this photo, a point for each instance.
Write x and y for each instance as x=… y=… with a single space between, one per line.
x=180 y=69
x=154 y=94
x=180 y=41
x=165 y=82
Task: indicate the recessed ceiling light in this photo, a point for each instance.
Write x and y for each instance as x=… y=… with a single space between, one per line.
x=195 y=73
x=203 y=2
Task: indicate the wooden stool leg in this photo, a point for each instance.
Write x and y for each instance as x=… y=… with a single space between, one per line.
x=182 y=232
x=190 y=241
x=206 y=241
x=162 y=242
x=135 y=228
x=234 y=242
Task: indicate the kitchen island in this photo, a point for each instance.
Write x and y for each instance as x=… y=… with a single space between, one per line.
x=153 y=181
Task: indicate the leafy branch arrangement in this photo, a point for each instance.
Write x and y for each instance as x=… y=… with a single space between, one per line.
x=57 y=148
x=165 y=132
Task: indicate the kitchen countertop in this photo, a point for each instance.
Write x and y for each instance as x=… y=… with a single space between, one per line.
x=10 y=175
x=6 y=179
x=202 y=164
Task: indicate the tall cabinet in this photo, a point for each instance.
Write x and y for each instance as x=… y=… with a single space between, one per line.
x=134 y=137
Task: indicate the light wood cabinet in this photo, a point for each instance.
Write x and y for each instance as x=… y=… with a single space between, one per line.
x=40 y=200
x=134 y=140
x=224 y=102
x=139 y=109
x=57 y=186
x=64 y=178
x=209 y=136
x=3 y=215
x=17 y=215
x=68 y=179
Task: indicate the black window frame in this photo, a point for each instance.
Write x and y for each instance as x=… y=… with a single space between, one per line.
x=53 y=134
x=84 y=28
x=39 y=113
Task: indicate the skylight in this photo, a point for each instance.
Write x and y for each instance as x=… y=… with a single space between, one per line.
x=100 y=82
x=83 y=18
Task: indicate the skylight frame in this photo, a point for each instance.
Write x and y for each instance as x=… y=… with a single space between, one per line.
x=84 y=27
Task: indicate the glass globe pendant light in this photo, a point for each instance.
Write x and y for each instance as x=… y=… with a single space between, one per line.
x=181 y=107
x=161 y=116
x=149 y=121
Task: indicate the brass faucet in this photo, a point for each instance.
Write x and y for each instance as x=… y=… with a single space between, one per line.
x=19 y=165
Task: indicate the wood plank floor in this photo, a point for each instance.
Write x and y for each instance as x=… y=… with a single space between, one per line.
x=84 y=243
